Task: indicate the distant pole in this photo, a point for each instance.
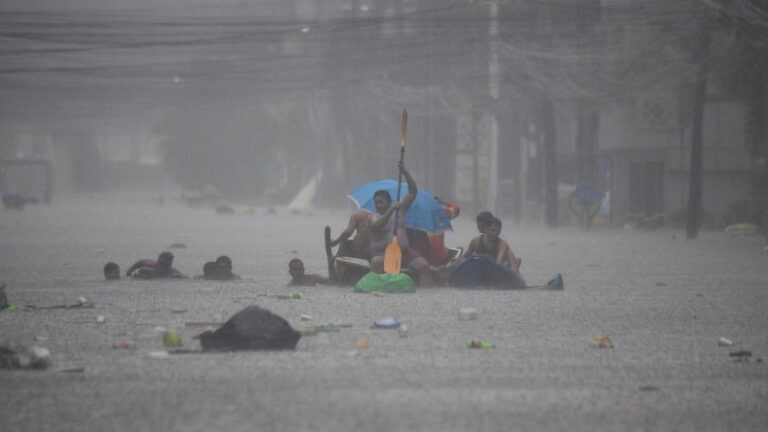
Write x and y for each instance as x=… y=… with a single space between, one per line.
x=587 y=121
x=493 y=91
x=697 y=153
x=550 y=164
x=428 y=109
x=475 y=167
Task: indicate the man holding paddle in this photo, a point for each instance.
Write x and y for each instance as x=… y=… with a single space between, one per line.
x=388 y=229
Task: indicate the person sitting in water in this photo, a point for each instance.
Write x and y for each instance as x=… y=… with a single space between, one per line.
x=155 y=269
x=224 y=269
x=383 y=226
x=209 y=271
x=360 y=245
x=484 y=220
x=111 y=271
x=489 y=243
x=299 y=278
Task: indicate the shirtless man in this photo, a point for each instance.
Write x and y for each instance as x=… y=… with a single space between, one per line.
x=209 y=271
x=299 y=278
x=111 y=271
x=489 y=243
x=153 y=269
x=360 y=246
x=383 y=226
x=224 y=269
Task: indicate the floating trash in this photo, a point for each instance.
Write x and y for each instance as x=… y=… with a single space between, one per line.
x=158 y=354
x=171 y=339
x=387 y=323
x=403 y=331
x=649 y=388
x=479 y=344
x=126 y=344
x=603 y=341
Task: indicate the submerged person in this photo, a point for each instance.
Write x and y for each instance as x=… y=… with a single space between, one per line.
x=300 y=278
x=489 y=243
x=155 y=269
x=209 y=271
x=224 y=269
x=360 y=245
x=383 y=226
x=111 y=271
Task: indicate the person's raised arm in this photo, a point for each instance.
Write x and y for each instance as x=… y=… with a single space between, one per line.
x=412 y=189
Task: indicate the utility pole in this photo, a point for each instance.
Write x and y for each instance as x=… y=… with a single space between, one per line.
x=493 y=92
x=697 y=156
x=548 y=127
x=429 y=64
x=550 y=163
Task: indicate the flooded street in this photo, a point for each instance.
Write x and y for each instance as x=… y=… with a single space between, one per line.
x=664 y=302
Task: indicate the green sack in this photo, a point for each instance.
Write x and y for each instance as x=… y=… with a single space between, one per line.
x=385 y=282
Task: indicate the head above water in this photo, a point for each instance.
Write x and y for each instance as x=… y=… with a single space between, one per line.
x=483 y=219
x=494 y=228
x=224 y=263
x=111 y=271
x=165 y=259
x=296 y=268
x=209 y=269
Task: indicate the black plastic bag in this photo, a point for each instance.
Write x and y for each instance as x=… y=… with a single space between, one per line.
x=253 y=328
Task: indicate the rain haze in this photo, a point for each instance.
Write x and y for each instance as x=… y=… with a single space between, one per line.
x=622 y=145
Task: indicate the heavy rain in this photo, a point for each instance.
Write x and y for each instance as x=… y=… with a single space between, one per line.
x=621 y=146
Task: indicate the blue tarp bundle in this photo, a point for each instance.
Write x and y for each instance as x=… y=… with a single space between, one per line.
x=482 y=271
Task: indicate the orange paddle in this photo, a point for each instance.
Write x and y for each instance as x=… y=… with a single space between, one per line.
x=393 y=256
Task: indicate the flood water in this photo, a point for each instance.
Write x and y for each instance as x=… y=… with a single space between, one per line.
x=664 y=302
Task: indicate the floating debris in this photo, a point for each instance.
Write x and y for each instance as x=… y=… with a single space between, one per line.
x=479 y=344
x=158 y=354
x=603 y=341
x=725 y=342
x=649 y=388
x=386 y=323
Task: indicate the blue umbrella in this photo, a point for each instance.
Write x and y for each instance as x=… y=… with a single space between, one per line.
x=425 y=214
